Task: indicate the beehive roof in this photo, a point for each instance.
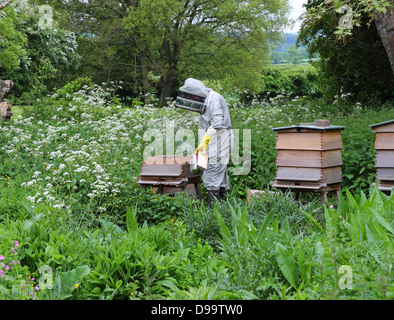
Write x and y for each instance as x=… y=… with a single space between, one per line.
x=311 y=127
x=381 y=123
x=317 y=124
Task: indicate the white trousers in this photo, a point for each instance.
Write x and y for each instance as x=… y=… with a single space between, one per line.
x=219 y=150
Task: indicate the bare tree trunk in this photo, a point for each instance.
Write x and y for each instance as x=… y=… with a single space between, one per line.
x=172 y=53
x=385 y=25
x=4 y=4
x=166 y=82
x=145 y=80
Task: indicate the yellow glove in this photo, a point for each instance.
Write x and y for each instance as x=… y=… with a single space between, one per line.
x=203 y=145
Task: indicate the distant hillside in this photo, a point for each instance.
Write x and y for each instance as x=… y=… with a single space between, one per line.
x=289 y=39
x=287 y=52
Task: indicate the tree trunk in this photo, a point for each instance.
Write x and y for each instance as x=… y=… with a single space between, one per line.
x=167 y=80
x=166 y=86
x=145 y=80
x=385 y=25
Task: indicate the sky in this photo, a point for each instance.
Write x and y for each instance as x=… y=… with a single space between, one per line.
x=296 y=11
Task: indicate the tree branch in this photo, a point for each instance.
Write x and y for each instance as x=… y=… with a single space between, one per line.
x=4 y=4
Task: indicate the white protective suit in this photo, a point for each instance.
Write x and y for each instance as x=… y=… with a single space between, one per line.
x=216 y=123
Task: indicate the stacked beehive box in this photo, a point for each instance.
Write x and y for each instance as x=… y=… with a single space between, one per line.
x=384 y=145
x=170 y=174
x=309 y=158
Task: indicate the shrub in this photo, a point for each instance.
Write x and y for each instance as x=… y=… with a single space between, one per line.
x=68 y=90
x=292 y=81
x=153 y=207
x=358 y=151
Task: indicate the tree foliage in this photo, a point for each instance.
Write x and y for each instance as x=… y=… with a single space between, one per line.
x=361 y=12
x=12 y=41
x=293 y=55
x=37 y=59
x=158 y=43
x=356 y=64
x=209 y=40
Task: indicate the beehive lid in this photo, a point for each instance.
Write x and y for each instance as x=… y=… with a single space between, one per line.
x=167 y=170
x=319 y=124
x=386 y=126
x=164 y=166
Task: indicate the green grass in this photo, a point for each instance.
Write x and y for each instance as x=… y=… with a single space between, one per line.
x=17 y=110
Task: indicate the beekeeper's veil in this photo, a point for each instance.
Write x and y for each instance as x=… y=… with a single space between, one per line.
x=193 y=96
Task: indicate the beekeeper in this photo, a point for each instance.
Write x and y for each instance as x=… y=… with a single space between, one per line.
x=215 y=134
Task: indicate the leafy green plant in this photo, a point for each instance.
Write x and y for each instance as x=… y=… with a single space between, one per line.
x=46 y=57
x=67 y=284
x=287 y=264
x=369 y=221
x=15 y=281
x=363 y=227
x=131 y=220
x=69 y=89
x=300 y=80
x=283 y=206
x=154 y=207
x=247 y=249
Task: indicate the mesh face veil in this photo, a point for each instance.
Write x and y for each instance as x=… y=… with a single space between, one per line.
x=192 y=102
x=193 y=96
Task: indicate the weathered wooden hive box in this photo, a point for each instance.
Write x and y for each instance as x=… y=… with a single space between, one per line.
x=384 y=163
x=170 y=174
x=309 y=157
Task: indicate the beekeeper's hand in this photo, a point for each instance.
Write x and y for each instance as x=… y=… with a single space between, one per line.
x=203 y=145
x=205 y=140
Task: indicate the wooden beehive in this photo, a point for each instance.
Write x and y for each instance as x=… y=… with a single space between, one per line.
x=309 y=158
x=170 y=174
x=384 y=163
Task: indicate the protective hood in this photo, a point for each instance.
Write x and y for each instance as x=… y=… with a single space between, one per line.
x=193 y=96
x=196 y=87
